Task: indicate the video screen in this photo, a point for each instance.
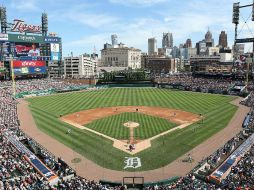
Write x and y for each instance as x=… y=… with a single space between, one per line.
x=27 y=49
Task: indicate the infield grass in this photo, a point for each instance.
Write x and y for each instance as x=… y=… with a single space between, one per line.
x=215 y=108
x=149 y=126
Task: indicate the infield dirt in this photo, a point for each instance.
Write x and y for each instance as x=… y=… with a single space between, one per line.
x=176 y=116
x=82 y=118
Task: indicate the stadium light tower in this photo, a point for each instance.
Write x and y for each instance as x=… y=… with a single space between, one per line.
x=252 y=18
x=235 y=20
x=3 y=19
x=44 y=24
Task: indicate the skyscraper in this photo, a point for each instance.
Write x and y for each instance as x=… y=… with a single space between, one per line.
x=152 y=46
x=114 y=39
x=223 y=39
x=188 y=43
x=209 y=39
x=167 y=40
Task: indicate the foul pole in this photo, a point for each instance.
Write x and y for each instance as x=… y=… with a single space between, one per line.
x=13 y=79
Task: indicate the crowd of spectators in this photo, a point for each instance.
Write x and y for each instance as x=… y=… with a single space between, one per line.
x=16 y=173
x=188 y=82
x=38 y=85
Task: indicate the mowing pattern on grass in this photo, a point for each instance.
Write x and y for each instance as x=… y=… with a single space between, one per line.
x=216 y=109
x=149 y=126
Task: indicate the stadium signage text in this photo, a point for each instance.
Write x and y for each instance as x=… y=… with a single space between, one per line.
x=28 y=63
x=25 y=38
x=21 y=26
x=52 y=39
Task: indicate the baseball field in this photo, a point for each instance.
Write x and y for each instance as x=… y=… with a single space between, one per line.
x=98 y=116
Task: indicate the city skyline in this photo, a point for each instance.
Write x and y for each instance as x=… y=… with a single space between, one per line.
x=84 y=25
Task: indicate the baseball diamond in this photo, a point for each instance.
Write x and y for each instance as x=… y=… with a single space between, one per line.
x=163 y=150
x=80 y=112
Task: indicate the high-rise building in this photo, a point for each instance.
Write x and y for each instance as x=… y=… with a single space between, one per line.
x=209 y=39
x=223 y=39
x=114 y=39
x=152 y=46
x=202 y=47
x=188 y=43
x=167 y=40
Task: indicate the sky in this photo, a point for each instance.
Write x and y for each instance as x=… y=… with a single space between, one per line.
x=85 y=24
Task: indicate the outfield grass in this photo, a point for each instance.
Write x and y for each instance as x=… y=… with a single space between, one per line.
x=216 y=109
x=149 y=126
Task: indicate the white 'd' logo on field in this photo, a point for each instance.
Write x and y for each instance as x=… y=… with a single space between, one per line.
x=132 y=162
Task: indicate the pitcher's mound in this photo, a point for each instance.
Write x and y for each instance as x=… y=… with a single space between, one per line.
x=131 y=124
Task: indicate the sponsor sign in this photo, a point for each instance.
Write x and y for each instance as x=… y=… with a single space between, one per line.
x=34 y=70
x=25 y=38
x=52 y=40
x=3 y=37
x=21 y=27
x=54 y=48
x=55 y=55
x=29 y=70
x=28 y=63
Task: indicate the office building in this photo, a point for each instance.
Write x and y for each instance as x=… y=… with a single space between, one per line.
x=167 y=40
x=152 y=46
x=223 y=40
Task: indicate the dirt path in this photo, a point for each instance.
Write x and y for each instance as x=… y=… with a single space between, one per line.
x=89 y=170
x=86 y=116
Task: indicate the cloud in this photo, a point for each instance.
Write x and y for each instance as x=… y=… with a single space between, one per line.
x=143 y=3
x=25 y=5
x=92 y=20
x=82 y=14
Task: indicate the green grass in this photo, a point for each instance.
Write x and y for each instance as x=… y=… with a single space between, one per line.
x=149 y=126
x=216 y=109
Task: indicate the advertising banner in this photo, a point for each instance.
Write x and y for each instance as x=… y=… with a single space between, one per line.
x=55 y=56
x=54 y=48
x=3 y=37
x=29 y=70
x=52 y=40
x=27 y=49
x=29 y=63
x=55 y=52
x=25 y=38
